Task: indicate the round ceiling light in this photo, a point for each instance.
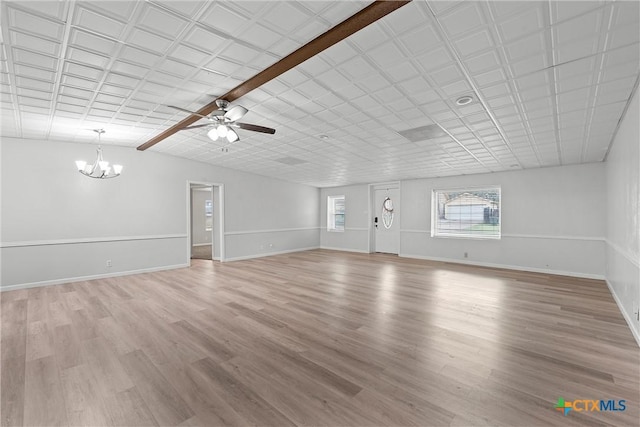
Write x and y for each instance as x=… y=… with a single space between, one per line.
x=464 y=100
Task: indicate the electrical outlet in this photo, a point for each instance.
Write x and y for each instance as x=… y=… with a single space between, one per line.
x=636 y=311
x=466 y=255
x=109 y=263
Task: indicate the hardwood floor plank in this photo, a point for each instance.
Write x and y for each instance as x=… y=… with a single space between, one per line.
x=82 y=397
x=39 y=340
x=164 y=402
x=245 y=401
x=12 y=380
x=13 y=346
x=127 y=408
x=66 y=343
x=44 y=404
x=105 y=366
x=317 y=338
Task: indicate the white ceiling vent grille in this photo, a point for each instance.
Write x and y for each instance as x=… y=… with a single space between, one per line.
x=423 y=133
x=291 y=161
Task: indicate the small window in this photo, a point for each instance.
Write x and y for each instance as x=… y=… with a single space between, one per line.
x=208 y=212
x=335 y=213
x=468 y=213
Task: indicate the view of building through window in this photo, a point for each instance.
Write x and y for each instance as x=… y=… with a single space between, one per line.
x=473 y=213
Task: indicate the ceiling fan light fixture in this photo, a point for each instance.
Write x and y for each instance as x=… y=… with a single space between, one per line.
x=213 y=134
x=222 y=131
x=232 y=136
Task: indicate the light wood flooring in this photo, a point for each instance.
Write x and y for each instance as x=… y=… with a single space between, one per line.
x=201 y=252
x=319 y=338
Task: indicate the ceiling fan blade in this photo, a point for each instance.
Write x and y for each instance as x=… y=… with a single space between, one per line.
x=187 y=111
x=235 y=113
x=197 y=126
x=256 y=128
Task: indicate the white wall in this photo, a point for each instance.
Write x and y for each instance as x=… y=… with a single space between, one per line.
x=355 y=237
x=58 y=226
x=623 y=216
x=552 y=220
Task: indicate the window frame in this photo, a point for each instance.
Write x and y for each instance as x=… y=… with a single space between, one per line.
x=472 y=236
x=331 y=213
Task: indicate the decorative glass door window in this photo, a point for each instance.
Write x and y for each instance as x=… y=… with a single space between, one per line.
x=387 y=212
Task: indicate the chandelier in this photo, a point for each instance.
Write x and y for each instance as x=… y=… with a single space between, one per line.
x=223 y=131
x=100 y=168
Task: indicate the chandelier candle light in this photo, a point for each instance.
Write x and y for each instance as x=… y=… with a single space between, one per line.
x=100 y=168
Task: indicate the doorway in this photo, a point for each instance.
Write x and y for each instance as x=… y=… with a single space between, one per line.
x=386 y=218
x=205 y=225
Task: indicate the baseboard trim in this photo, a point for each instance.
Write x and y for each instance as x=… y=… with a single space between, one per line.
x=266 y=254
x=629 y=320
x=508 y=267
x=202 y=244
x=359 y=251
x=93 y=277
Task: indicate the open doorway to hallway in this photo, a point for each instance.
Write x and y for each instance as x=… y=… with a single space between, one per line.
x=205 y=214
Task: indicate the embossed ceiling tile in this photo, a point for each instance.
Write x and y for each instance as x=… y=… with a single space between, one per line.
x=205 y=39
x=25 y=57
x=130 y=69
x=79 y=82
x=33 y=72
x=260 y=36
x=420 y=40
x=474 y=43
x=161 y=21
x=35 y=44
x=139 y=56
x=522 y=24
x=579 y=27
x=92 y=42
x=463 y=18
x=434 y=59
x=149 y=41
x=34 y=24
x=188 y=55
x=186 y=8
x=356 y=68
x=220 y=17
x=97 y=23
x=446 y=75
x=407 y=18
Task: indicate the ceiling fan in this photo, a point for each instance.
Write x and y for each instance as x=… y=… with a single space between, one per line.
x=223 y=121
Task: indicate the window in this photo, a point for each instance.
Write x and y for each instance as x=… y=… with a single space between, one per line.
x=335 y=213
x=208 y=212
x=470 y=213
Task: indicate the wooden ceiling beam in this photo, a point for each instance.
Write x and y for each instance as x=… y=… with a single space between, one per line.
x=370 y=14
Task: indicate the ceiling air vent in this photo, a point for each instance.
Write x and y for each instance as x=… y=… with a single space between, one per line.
x=423 y=133
x=291 y=161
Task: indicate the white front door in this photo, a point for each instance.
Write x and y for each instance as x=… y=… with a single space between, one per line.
x=387 y=228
